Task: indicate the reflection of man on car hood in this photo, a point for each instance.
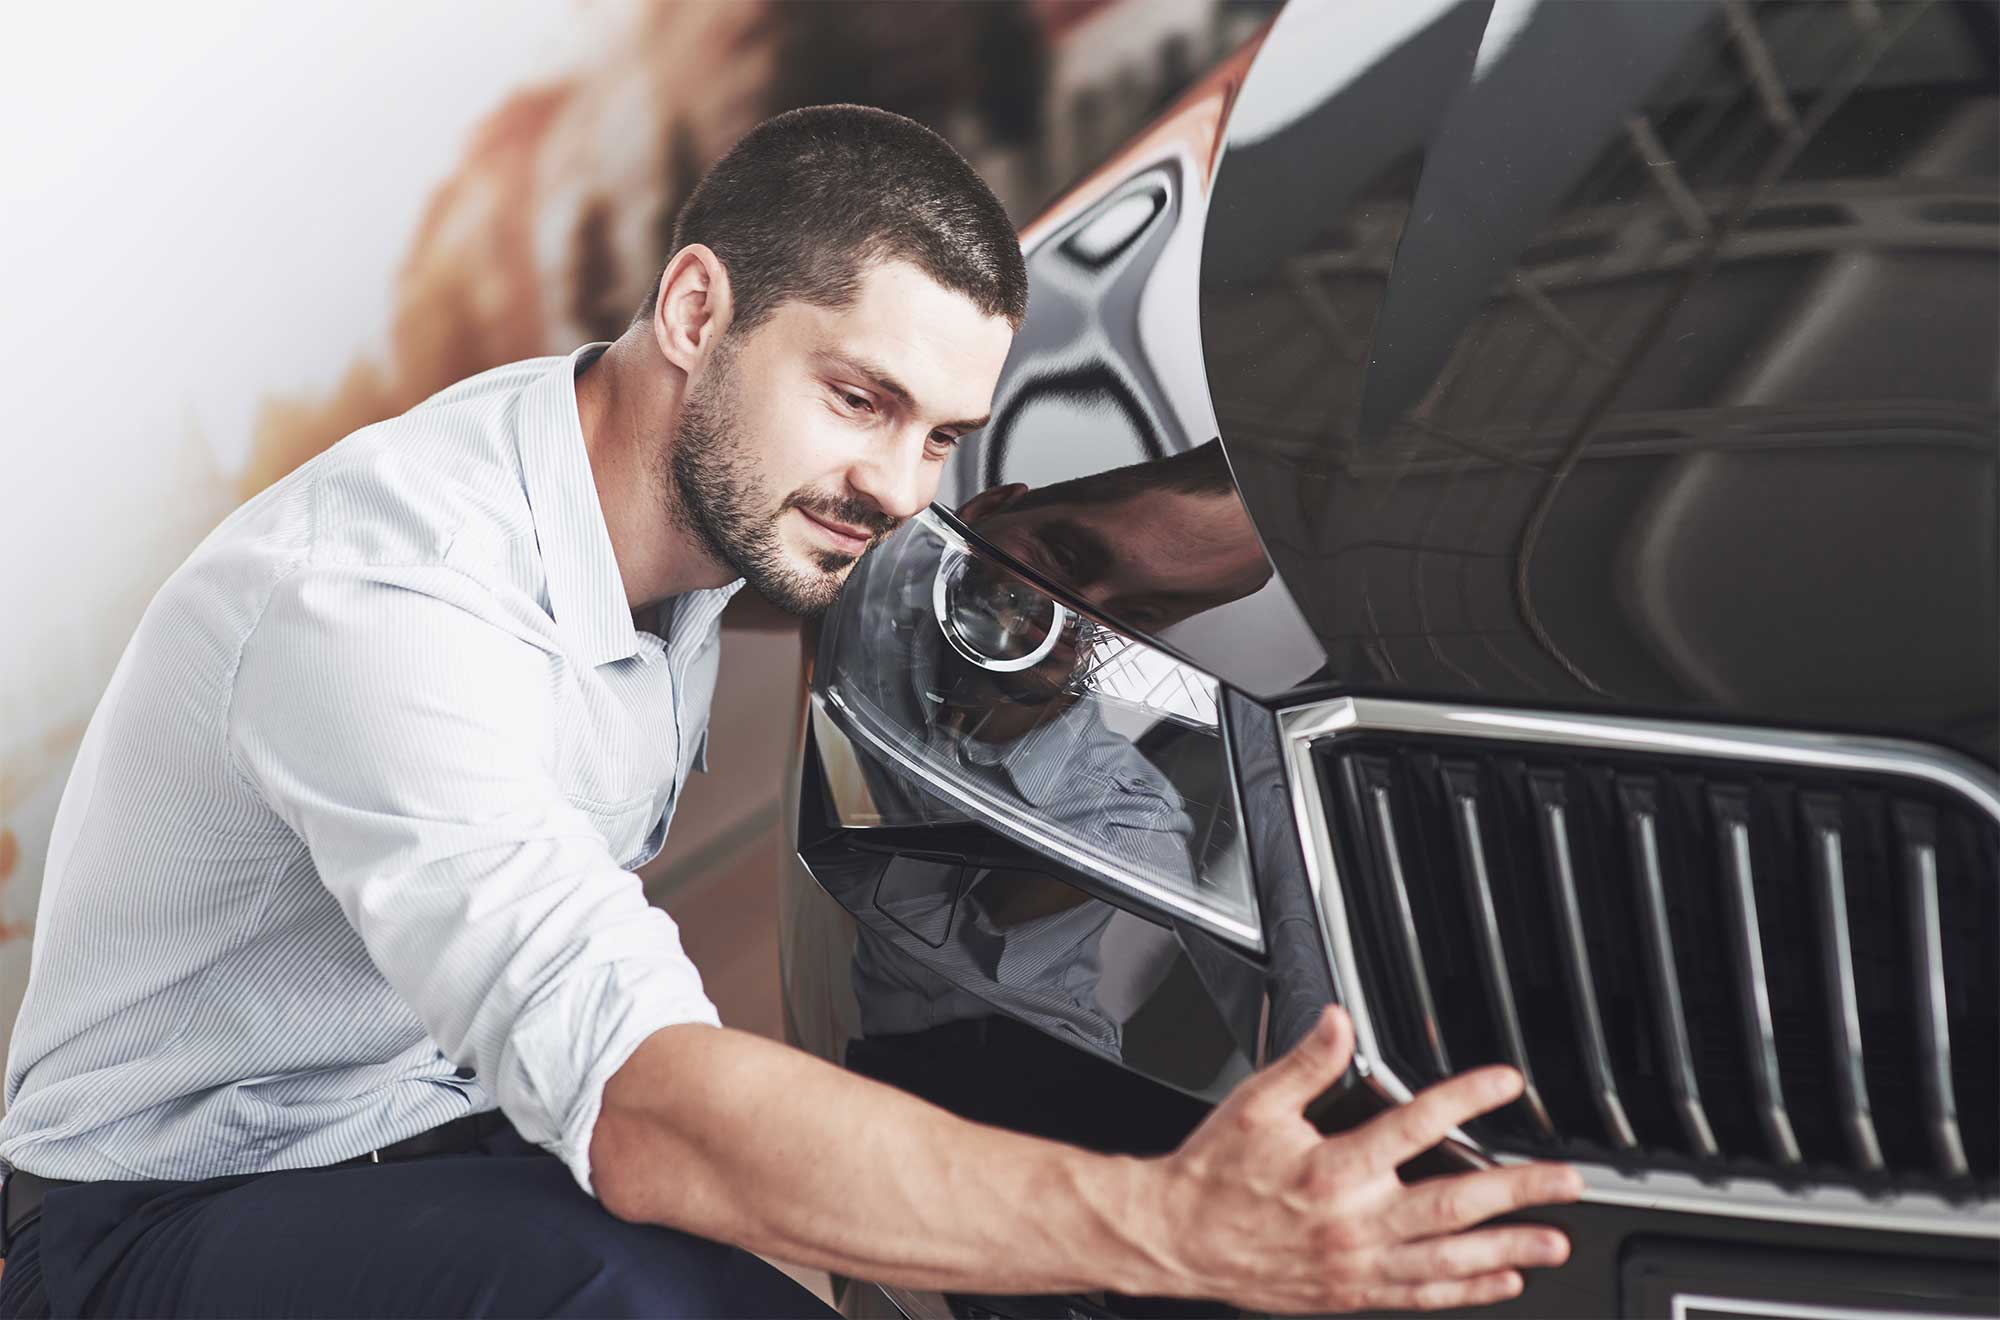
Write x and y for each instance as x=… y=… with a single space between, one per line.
x=1148 y=545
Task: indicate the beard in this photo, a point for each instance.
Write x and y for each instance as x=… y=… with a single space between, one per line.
x=721 y=499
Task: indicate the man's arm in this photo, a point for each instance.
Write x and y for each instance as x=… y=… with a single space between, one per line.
x=744 y=1140
x=407 y=735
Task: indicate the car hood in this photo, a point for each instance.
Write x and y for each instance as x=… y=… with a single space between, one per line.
x=1580 y=364
x=1560 y=357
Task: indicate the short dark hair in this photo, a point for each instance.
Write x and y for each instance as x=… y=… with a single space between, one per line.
x=807 y=199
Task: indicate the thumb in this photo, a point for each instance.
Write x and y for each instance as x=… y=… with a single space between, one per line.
x=1309 y=1067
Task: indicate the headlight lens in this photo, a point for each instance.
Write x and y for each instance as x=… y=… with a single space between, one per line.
x=991 y=617
x=970 y=694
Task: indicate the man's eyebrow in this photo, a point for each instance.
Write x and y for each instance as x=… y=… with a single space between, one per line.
x=878 y=376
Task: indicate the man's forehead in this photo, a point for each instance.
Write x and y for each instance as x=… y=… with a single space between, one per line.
x=932 y=342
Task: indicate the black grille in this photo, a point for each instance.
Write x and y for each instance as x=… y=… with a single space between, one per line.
x=1723 y=967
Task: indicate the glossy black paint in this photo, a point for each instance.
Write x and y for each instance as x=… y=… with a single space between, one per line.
x=1677 y=395
x=1648 y=363
x=1301 y=984
x=1107 y=374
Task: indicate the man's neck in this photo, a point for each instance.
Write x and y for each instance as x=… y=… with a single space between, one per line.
x=628 y=403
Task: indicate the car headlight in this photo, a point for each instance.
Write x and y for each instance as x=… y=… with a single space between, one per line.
x=991 y=617
x=970 y=694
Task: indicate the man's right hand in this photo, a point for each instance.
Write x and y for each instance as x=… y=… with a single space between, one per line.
x=744 y=1140
x=1265 y=1212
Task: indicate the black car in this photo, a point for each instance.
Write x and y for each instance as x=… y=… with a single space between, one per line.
x=1490 y=521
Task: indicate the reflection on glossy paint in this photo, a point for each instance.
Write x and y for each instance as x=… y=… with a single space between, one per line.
x=1111 y=750
x=1655 y=356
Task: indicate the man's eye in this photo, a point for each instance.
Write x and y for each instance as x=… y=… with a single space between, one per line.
x=858 y=402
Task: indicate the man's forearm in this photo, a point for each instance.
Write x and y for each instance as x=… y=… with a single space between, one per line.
x=740 y=1139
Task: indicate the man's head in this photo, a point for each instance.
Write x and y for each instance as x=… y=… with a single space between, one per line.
x=842 y=294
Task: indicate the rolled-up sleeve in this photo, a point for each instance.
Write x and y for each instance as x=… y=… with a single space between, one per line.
x=407 y=734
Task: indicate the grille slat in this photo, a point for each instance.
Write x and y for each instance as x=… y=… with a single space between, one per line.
x=1729 y=967
x=1919 y=855
x=1383 y=833
x=1822 y=819
x=1461 y=787
x=1550 y=809
x=1752 y=986
x=1670 y=1018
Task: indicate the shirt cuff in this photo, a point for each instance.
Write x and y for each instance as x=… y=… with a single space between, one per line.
x=564 y=1049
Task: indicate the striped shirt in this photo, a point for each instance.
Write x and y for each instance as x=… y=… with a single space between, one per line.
x=347 y=850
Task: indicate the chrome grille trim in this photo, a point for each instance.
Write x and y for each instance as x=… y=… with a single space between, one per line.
x=1494 y=955
x=1921 y=860
x=1754 y=988
x=1413 y=949
x=1305 y=726
x=1851 y=1079
x=1751 y=1198
x=1662 y=970
x=1582 y=985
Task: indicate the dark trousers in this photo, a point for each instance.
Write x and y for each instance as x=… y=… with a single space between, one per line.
x=500 y=1232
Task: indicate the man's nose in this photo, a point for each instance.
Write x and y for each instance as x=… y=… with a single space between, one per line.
x=896 y=478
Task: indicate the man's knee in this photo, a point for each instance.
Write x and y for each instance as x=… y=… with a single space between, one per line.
x=646 y=1270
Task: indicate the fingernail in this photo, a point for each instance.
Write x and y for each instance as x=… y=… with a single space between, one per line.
x=1555 y=1250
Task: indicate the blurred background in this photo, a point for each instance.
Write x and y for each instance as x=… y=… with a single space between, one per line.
x=238 y=231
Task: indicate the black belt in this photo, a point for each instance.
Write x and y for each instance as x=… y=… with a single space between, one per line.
x=21 y=1195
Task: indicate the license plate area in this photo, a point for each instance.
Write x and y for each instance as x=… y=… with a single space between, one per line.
x=1678 y=1279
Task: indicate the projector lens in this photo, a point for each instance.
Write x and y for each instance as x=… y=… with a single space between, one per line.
x=994 y=619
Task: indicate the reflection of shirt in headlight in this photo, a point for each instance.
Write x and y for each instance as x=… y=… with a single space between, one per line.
x=1067 y=769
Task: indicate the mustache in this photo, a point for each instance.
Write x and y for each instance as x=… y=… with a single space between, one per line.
x=855 y=511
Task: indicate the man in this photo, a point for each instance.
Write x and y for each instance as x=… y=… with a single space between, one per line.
x=339 y=943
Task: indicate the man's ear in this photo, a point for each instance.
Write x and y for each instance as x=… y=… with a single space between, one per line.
x=694 y=307
x=991 y=500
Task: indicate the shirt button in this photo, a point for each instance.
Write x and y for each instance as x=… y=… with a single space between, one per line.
x=466 y=1073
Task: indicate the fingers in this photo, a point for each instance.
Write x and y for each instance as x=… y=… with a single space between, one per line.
x=1449 y=1205
x=1437 y=1295
x=1472 y=1255
x=1410 y=1129
x=1312 y=1065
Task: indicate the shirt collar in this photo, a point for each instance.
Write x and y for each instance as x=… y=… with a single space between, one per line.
x=586 y=592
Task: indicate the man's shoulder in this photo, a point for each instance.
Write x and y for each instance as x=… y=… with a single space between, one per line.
x=432 y=483
x=507 y=378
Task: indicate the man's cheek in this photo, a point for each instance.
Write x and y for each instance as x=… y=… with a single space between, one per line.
x=807 y=445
